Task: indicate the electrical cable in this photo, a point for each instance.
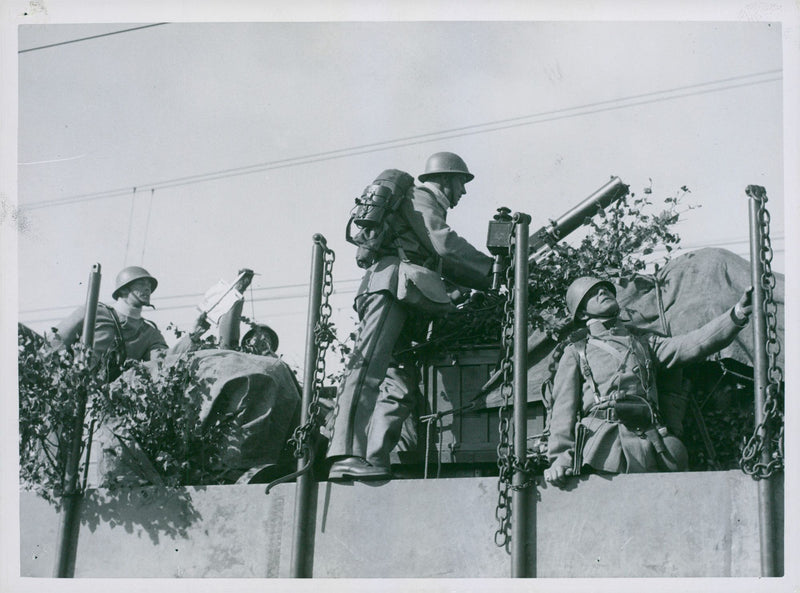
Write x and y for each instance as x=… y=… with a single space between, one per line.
x=147 y=225
x=130 y=228
x=184 y=306
x=542 y=117
x=30 y=49
x=194 y=295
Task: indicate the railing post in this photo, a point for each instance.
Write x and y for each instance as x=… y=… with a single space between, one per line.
x=72 y=496
x=302 y=542
x=520 y=496
x=766 y=515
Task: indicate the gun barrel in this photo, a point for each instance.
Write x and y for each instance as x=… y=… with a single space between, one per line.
x=571 y=220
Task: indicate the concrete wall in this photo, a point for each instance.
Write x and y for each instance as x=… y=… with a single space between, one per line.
x=655 y=525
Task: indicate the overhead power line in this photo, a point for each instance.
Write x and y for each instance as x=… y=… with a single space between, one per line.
x=542 y=117
x=193 y=295
x=22 y=51
x=190 y=305
x=194 y=305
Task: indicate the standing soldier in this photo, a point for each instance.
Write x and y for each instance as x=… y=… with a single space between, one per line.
x=378 y=390
x=605 y=404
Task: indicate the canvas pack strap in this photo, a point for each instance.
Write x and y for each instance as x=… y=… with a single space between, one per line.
x=637 y=349
x=120 y=340
x=586 y=370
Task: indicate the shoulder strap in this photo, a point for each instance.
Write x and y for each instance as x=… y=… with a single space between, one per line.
x=586 y=370
x=642 y=353
x=120 y=339
x=603 y=345
x=150 y=323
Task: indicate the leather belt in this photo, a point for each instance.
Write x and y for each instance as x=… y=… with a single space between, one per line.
x=607 y=414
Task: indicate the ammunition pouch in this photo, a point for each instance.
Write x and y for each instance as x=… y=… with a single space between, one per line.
x=634 y=412
x=422 y=289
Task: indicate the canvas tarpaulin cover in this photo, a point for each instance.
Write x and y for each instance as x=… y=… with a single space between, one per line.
x=261 y=392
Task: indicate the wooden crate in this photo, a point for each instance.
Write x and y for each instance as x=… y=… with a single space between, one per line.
x=450 y=383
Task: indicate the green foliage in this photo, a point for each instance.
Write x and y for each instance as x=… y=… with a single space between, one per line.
x=725 y=402
x=50 y=383
x=727 y=427
x=161 y=412
x=155 y=411
x=616 y=247
x=209 y=342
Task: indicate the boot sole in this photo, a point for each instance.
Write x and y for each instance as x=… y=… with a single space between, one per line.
x=347 y=476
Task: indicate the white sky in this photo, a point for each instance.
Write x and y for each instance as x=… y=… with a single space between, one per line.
x=544 y=108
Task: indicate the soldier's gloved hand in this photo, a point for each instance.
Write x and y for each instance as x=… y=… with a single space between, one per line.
x=557 y=474
x=243 y=282
x=201 y=325
x=743 y=309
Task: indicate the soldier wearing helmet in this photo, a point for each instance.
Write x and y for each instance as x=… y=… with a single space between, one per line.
x=260 y=339
x=379 y=389
x=121 y=333
x=605 y=412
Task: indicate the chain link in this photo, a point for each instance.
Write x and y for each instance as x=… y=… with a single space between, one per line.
x=505 y=454
x=323 y=337
x=772 y=413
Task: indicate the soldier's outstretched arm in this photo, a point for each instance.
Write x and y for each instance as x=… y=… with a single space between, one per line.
x=704 y=341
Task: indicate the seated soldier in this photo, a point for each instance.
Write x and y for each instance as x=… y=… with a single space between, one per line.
x=120 y=331
x=261 y=339
x=605 y=404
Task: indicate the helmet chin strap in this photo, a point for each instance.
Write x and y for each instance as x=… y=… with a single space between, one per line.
x=140 y=303
x=446 y=186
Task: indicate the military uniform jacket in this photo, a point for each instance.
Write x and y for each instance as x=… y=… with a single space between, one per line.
x=621 y=364
x=421 y=229
x=141 y=336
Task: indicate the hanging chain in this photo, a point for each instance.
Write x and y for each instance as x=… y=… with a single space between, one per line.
x=772 y=412
x=505 y=463
x=323 y=337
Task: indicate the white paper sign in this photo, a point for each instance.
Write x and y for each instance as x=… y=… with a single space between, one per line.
x=218 y=300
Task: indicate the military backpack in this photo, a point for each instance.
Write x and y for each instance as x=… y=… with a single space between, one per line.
x=372 y=215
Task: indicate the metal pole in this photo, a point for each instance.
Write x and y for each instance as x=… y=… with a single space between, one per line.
x=71 y=499
x=766 y=523
x=302 y=544
x=520 y=494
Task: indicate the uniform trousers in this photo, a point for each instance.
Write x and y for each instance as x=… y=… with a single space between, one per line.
x=378 y=391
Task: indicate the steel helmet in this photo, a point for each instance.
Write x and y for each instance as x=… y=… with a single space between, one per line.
x=577 y=291
x=261 y=327
x=131 y=274
x=445 y=162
